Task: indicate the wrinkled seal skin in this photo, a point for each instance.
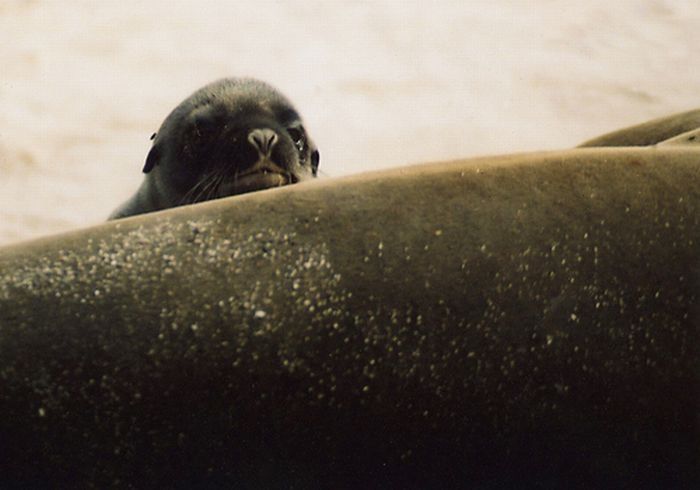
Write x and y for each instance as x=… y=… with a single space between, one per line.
x=229 y=137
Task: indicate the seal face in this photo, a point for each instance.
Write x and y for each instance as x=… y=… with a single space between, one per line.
x=232 y=136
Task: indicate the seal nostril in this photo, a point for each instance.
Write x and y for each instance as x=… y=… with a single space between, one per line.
x=263 y=140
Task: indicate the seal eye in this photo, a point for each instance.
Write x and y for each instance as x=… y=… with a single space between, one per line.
x=298 y=137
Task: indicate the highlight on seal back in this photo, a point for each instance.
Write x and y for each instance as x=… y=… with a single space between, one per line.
x=233 y=136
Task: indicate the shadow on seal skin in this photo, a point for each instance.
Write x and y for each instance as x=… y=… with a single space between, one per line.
x=229 y=137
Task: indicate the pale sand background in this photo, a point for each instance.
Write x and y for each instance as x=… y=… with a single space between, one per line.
x=83 y=84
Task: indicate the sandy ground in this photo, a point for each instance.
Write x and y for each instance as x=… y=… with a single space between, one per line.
x=83 y=84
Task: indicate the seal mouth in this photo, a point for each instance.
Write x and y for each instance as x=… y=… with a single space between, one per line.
x=255 y=181
x=263 y=175
x=263 y=166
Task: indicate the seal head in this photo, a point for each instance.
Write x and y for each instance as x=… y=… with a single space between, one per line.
x=229 y=137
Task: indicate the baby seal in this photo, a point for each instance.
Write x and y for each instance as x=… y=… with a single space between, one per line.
x=232 y=136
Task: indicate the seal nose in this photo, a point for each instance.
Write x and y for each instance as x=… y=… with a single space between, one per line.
x=263 y=140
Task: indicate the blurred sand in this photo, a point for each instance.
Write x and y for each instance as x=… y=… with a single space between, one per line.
x=380 y=84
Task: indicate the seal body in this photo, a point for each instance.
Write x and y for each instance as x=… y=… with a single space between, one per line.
x=475 y=324
x=232 y=136
x=649 y=133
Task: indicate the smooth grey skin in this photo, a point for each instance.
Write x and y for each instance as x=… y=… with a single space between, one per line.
x=508 y=322
x=223 y=131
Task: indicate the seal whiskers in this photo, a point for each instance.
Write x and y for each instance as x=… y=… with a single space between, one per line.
x=200 y=188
